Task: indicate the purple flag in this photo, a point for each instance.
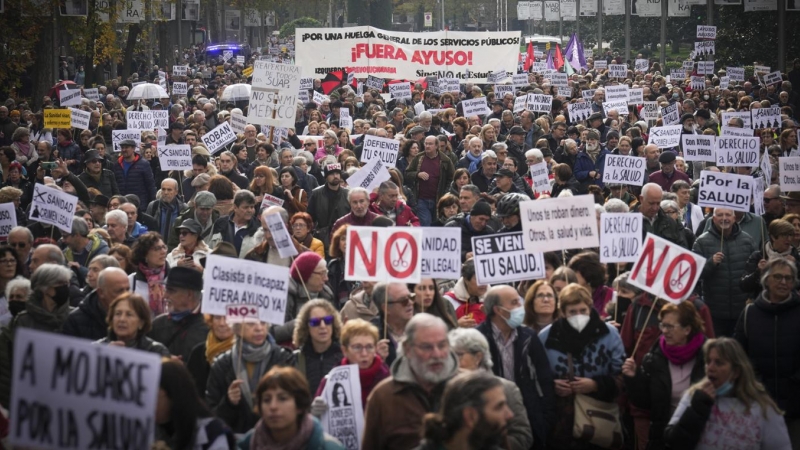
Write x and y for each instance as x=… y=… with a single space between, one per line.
x=581 y=56
x=550 y=63
x=574 y=52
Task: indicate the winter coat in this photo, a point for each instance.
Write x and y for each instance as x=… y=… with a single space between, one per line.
x=189 y=213
x=319 y=440
x=142 y=343
x=404 y=215
x=446 y=172
x=584 y=165
x=88 y=320
x=179 y=337
x=71 y=150
x=223 y=231
x=326 y=212
x=463 y=304
x=721 y=281
x=168 y=212
x=198 y=256
x=138 y=180
x=770 y=335
x=353 y=220
x=666 y=227
x=295 y=300
x=98 y=247
x=751 y=280
x=355 y=308
x=340 y=287
x=315 y=366
x=467 y=232
x=236 y=178
x=106 y=183
x=665 y=182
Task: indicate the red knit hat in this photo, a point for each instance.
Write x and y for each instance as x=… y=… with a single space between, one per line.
x=304 y=265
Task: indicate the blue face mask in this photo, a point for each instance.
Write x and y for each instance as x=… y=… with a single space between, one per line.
x=725 y=389
x=360 y=105
x=177 y=317
x=674 y=96
x=517 y=315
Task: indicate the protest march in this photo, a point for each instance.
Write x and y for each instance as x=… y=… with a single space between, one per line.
x=350 y=234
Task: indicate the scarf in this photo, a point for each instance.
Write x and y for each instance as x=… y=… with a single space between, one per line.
x=681 y=354
x=473 y=162
x=65 y=144
x=370 y=376
x=250 y=354
x=25 y=149
x=593 y=153
x=262 y=440
x=215 y=347
x=771 y=253
x=155 y=289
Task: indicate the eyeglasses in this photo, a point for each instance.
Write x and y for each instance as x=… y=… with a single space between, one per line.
x=8 y=262
x=775 y=277
x=298 y=226
x=317 y=321
x=308 y=145
x=358 y=348
x=403 y=301
x=17 y=244
x=321 y=273
x=158 y=248
x=666 y=326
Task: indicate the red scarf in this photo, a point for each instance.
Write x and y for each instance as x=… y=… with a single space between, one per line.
x=154 y=278
x=370 y=376
x=681 y=354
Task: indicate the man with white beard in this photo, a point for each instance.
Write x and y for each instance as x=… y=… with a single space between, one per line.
x=396 y=407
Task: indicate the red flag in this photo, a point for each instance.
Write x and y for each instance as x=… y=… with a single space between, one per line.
x=558 y=60
x=529 y=58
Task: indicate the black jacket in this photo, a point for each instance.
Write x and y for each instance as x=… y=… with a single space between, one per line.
x=686 y=433
x=88 y=320
x=467 y=232
x=179 y=337
x=751 y=280
x=237 y=178
x=106 y=183
x=316 y=365
x=666 y=227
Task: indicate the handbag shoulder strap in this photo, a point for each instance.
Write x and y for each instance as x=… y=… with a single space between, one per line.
x=570 y=367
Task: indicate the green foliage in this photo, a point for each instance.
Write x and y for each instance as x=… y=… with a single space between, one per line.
x=303 y=22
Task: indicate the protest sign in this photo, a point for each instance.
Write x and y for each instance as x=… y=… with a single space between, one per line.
x=8 y=218
x=579 y=111
x=344 y=418
x=620 y=237
x=500 y=90
x=539 y=67
x=217 y=138
x=735 y=151
x=588 y=94
x=91 y=94
x=235 y=281
x=678 y=74
x=601 y=64
x=238 y=122
x=617 y=71
x=635 y=96
x=374 y=82
x=671 y=114
x=519 y=80
x=71 y=393
x=306 y=83
x=704 y=48
x=79 y=118
x=385 y=149
x=160 y=119
x=688 y=67
x=789 y=168
x=407 y=55
x=400 y=90
x=271 y=200
x=175 y=157
x=559 y=80
x=641 y=65
x=758 y=197
x=649 y=111
x=556 y=224
x=724 y=82
x=240 y=60
x=345 y=121
x=497 y=76
x=735 y=73
x=69 y=97
x=620 y=106
x=766 y=168
x=475 y=107
x=698 y=147
x=698 y=83
x=273 y=97
x=118 y=136
x=57 y=118
x=706 y=32
x=384 y=254
x=619 y=92
x=666 y=270
x=621 y=169
x=449 y=84
x=180 y=88
x=520 y=103
x=539 y=103
x=705 y=67
x=502 y=258
x=541 y=180
x=766 y=117
x=280 y=235
x=370 y=176
x=140 y=120
x=319 y=98
x=725 y=190
x=241 y=313
x=180 y=71
x=302 y=97
x=744 y=115
x=441 y=253
x=53 y=207
x=733 y=131
x=666 y=137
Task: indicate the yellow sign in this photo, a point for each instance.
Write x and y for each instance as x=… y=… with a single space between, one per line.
x=57 y=118
x=547 y=46
x=221 y=70
x=248 y=72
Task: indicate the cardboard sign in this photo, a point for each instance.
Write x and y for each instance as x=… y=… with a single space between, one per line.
x=219 y=137
x=520 y=103
x=8 y=218
x=705 y=67
x=180 y=88
x=601 y=64
x=306 y=83
x=766 y=169
x=241 y=313
x=619 y=92
x=273 y=97
x=671 y=115
x=449 y=84
x=556 y=224
x=666 y=137
x=497 y=76
x=319 y=98
x=758 y=196
x=384 y=254
x=641 y=65
x=160 y=119
x=734 y=151
x=141 y=120
x=180 y=71
x=118 y=136
x=735 y=73
x=69 y=97
x=620 y=237
x=649 y=111
x=53 y=207
x=400 y=90
x=666 y=270
x=385 y=149
x=588 y=94
x=71 y=393
x=92 y=94
x=229 y=281
x=724 y=82
x=502 y=258
x=441 y=253
x=621 y=169
x=374 y=83
x=635 y=96
x=744 y=115
x=725 y=190
x=560 y=80
x=579 y=111
x=344 y=419
x=679 y=74
x=540 y=177
x=539 y=103
x=519 y=80
x=766 y=117
x=345 y=121
x=238 y=122
x=706 y=32
x=79 y=118
x=475 y=107
x=698 y=83
x=175 y=157
x=698 y=147
x=57 y=118
x=500 y=90
x=789 y=168
x=617 y=71
x=280 y=235
x=620 y=106
x=704 y=48
x=370 y=176
x=773 y=78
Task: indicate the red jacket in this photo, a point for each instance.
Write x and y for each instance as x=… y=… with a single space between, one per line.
x=405 y=216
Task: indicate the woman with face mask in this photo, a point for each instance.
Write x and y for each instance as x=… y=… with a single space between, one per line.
x=729 y=408
x=596 y=352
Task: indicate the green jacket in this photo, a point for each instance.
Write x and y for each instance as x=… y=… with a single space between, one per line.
x=446 y=172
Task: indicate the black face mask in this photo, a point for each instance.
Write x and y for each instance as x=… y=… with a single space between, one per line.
x=62 y=295
x=16 y=307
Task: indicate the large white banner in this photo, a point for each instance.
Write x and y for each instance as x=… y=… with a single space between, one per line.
x=397 y=55
x=559 y=224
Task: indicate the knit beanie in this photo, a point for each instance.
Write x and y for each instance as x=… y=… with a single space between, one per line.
x=304 y=265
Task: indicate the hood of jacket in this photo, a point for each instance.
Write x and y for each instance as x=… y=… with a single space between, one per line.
x=777 y=308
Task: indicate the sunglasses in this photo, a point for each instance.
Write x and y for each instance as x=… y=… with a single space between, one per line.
x=317 y=321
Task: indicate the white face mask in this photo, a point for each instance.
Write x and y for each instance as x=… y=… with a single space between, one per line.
x=578 y=322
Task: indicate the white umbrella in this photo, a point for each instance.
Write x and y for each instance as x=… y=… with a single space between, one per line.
x=235 y=93
x=147 y=91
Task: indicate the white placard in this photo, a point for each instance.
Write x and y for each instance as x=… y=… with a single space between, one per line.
x=241 y=313
x=180 y=88
x=762 y=117
x=385 y=149
x=698 y=147
x=698 y=83
x=620 y=169
x=306 y=84
x=539 y=103
x=744 y=115
x=497 y=76
x=519 y=80
x=649 y=111
x=725 y=190
x=219 y=137
x=620 y=237
x=345 y=121
x=636 y=96
x=588 y=94
x=579 y=111
x=69 y=97
x=724 y=82
x=620 y=106
x=559 y=80
x=400 y=90
x=70 y=393
x=180 y=71
x=374 y=82
x=641 y=65
x=705 y=67
x=766 y=168
x=280 y=235
x=175 y=157
x=384 y=254
x=118 y=136
x=671 y=115
x=8 y=218
x=235 y=281
x=704 y=48
x=679 y=74
x=141 y=120
x=600 y=64
x=270 y=200
x=53 y=207
x=735 y=151
x=441 y=253
x=161 y=119
x=789 y=168
x=502 y=258
x=79 y=118
x=273 y=97
x=238 y=122
x=758 y=196
x=735 y=73
x=540 y=177
x=370 y=176
x=665 y=137
x=666 y=270
x=500 y=90
x=619 y=92
x=559 y=223
x=344 y=418
x=449 y=84
x=475 y=107
x=91 y=94
x=706 y=32
x=520 y=103
x=734 y=131
x=617 y=71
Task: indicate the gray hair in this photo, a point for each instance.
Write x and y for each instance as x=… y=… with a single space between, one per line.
x=672 y=204
x=488 y=154
x=49 y=275
x=101 y=277
x=772 y=263
x=105 y=261
x=299 y=161
x=80 y=227
x=380 y=294
x=471 y=188
x=568 y=143
x=650 y=187
x=615 y=205
x=499 y=146
x=118 y=216
x=535 y=153
x=421 y=320
x=386 y=186
x=472 y=341
x=599 y=209
x=425 y=115
x=18 y=283
x=357 y=190
x=243 y=196
x=54 y=254
x=25 y=230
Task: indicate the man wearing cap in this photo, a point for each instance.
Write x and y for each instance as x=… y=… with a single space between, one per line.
x=595 y=121
x=504 y=183
x=416 y=134
x=82 y=247
x=183 y=327
x=668 y=175
x=497 y=111
x=476 y=223
x=133 y=173
x=203 y=212
x=515 y=144
x=95 y=176
x=175 y=135
x=98 y=207
x=88 y=320
x=328 y=203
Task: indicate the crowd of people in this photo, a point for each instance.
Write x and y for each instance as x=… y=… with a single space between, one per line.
x=579 y=359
